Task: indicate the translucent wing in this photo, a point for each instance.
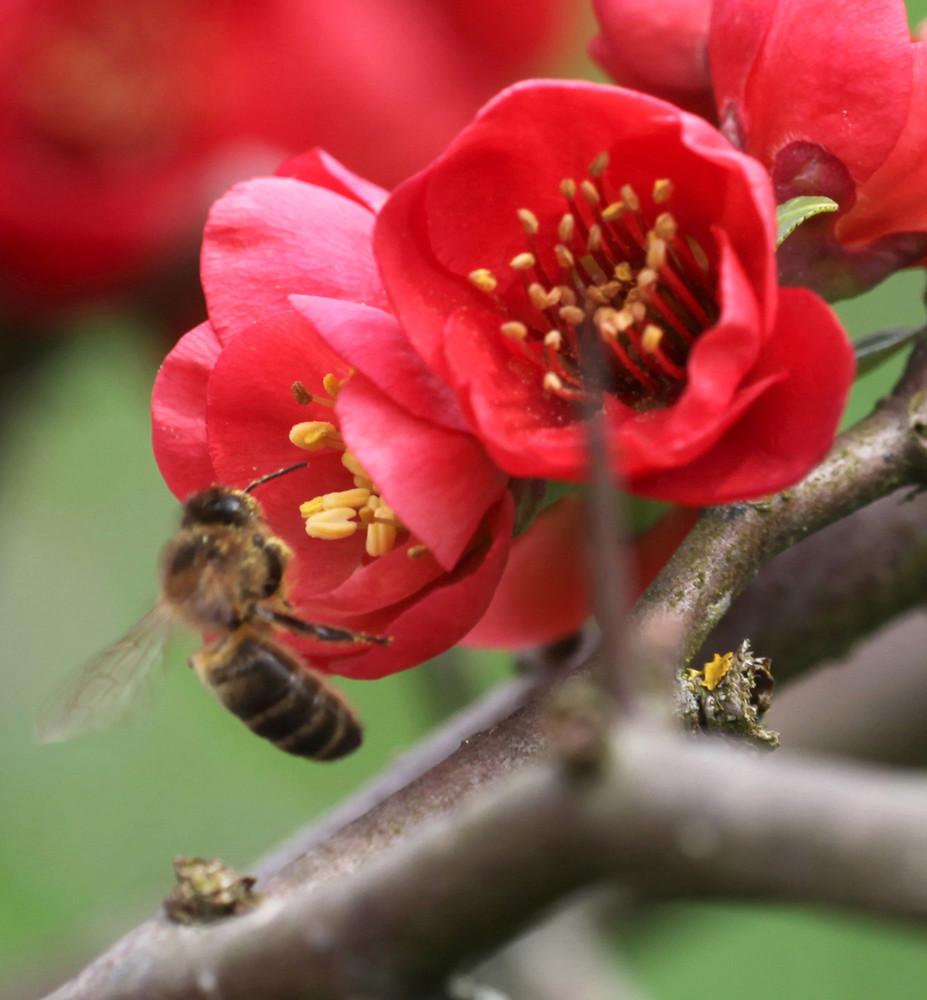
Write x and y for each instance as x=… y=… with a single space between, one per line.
x=105 y=690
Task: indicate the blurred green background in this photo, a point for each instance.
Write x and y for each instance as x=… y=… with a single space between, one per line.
x=88 y=829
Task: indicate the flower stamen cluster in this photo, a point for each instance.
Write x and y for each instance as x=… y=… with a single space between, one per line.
x=338 y=514
x=618 y=274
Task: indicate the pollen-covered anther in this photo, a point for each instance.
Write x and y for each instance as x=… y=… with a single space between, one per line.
x=651 y=338
x=523 y=261
x=590 y=192
x=314 y=435
x=656 y=254
x=623 y=272
x=552 y=383
x=662 y=190
x=514 y=330
x=665 y=226
x=540 y=297
x=333 y=524
x=629 y=197
x=571 y=314
x=361 y=478
x=614 y=211
x=567 y=295
x=646 y=277
x=599 y=164
x=333 y=385
x=564 y=257
x=594 y=239
x=566 y=227
x=553 y=339
x=483 y=279
x=356 y=498
x=382 y=531
x=529 y=221
x=568 y=188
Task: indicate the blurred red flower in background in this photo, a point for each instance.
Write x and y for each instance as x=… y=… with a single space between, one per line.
x=122 y=122
x=657 y=48
x=401 y=524
x=577 y=230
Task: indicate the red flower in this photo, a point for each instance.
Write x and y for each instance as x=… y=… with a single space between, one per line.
x=657 y=48
x=121 y=122
x=575 y=225
x=832 y=98
x=295 y=301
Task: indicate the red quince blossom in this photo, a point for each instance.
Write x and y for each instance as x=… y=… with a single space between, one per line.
x=831 y=95
x=576 y=226
x=657 y=48
x=401 y=524
x=123 y=121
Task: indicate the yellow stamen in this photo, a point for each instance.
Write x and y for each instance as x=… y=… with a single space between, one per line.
x=514 y=330
x=523 y=261
x=314 y=435
x=568 y=188
x=483 y=279
x=529 y=221
x=333 y=524
x=662 y=190
x=599 y=164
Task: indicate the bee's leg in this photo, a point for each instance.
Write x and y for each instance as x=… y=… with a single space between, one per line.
x=327 y=633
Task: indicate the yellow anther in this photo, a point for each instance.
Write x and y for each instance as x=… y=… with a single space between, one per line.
x=626 y=318
x=523 y=261
x=651 y=337
x=483 y=279
x=656 y=253
x=594 y=240
x=646 y=277
x=514 y=330
x=624 y=272
x=538 y=295
x=381 y=538
x=599 y=164
x=314 y=435
x=553 y=339
x=350 y=462
x=637 y=310
x=332 y=525
x=567 y=295
x=595 y=294
x=566 y=227
x=613 y=211
x=310 y=507
x=529 y=221
x=416 y=551
x=568 y=188
x=564 y=258
x=662 y=190
x=629 y=197
x=552 y=382
x=571 y=314
x=590 y=192
x=665 y=226
x=355 y=498
x=333 y=385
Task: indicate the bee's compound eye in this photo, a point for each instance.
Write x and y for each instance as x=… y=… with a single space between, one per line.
x=219 y=506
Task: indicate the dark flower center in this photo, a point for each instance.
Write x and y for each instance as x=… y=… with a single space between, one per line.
x=615 y=293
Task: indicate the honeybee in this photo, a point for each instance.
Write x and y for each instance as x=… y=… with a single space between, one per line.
x=224 y=573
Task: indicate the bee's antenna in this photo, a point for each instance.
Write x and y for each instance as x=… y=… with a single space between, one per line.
x=273 y=475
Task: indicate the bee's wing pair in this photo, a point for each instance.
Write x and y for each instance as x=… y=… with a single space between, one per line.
x=105 y=690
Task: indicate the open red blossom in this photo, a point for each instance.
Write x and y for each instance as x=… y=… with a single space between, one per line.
x=584 y=246
x=831 y=95
x=657 y=48
x=401 y=524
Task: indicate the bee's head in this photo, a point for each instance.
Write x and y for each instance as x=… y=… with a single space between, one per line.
x=220 y=505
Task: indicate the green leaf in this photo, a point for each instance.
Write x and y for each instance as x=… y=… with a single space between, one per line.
x=793 y=213
x=877 y=347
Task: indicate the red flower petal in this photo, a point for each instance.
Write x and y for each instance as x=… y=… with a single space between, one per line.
x=317 y=167
x=275 y=236
x=178 y=412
